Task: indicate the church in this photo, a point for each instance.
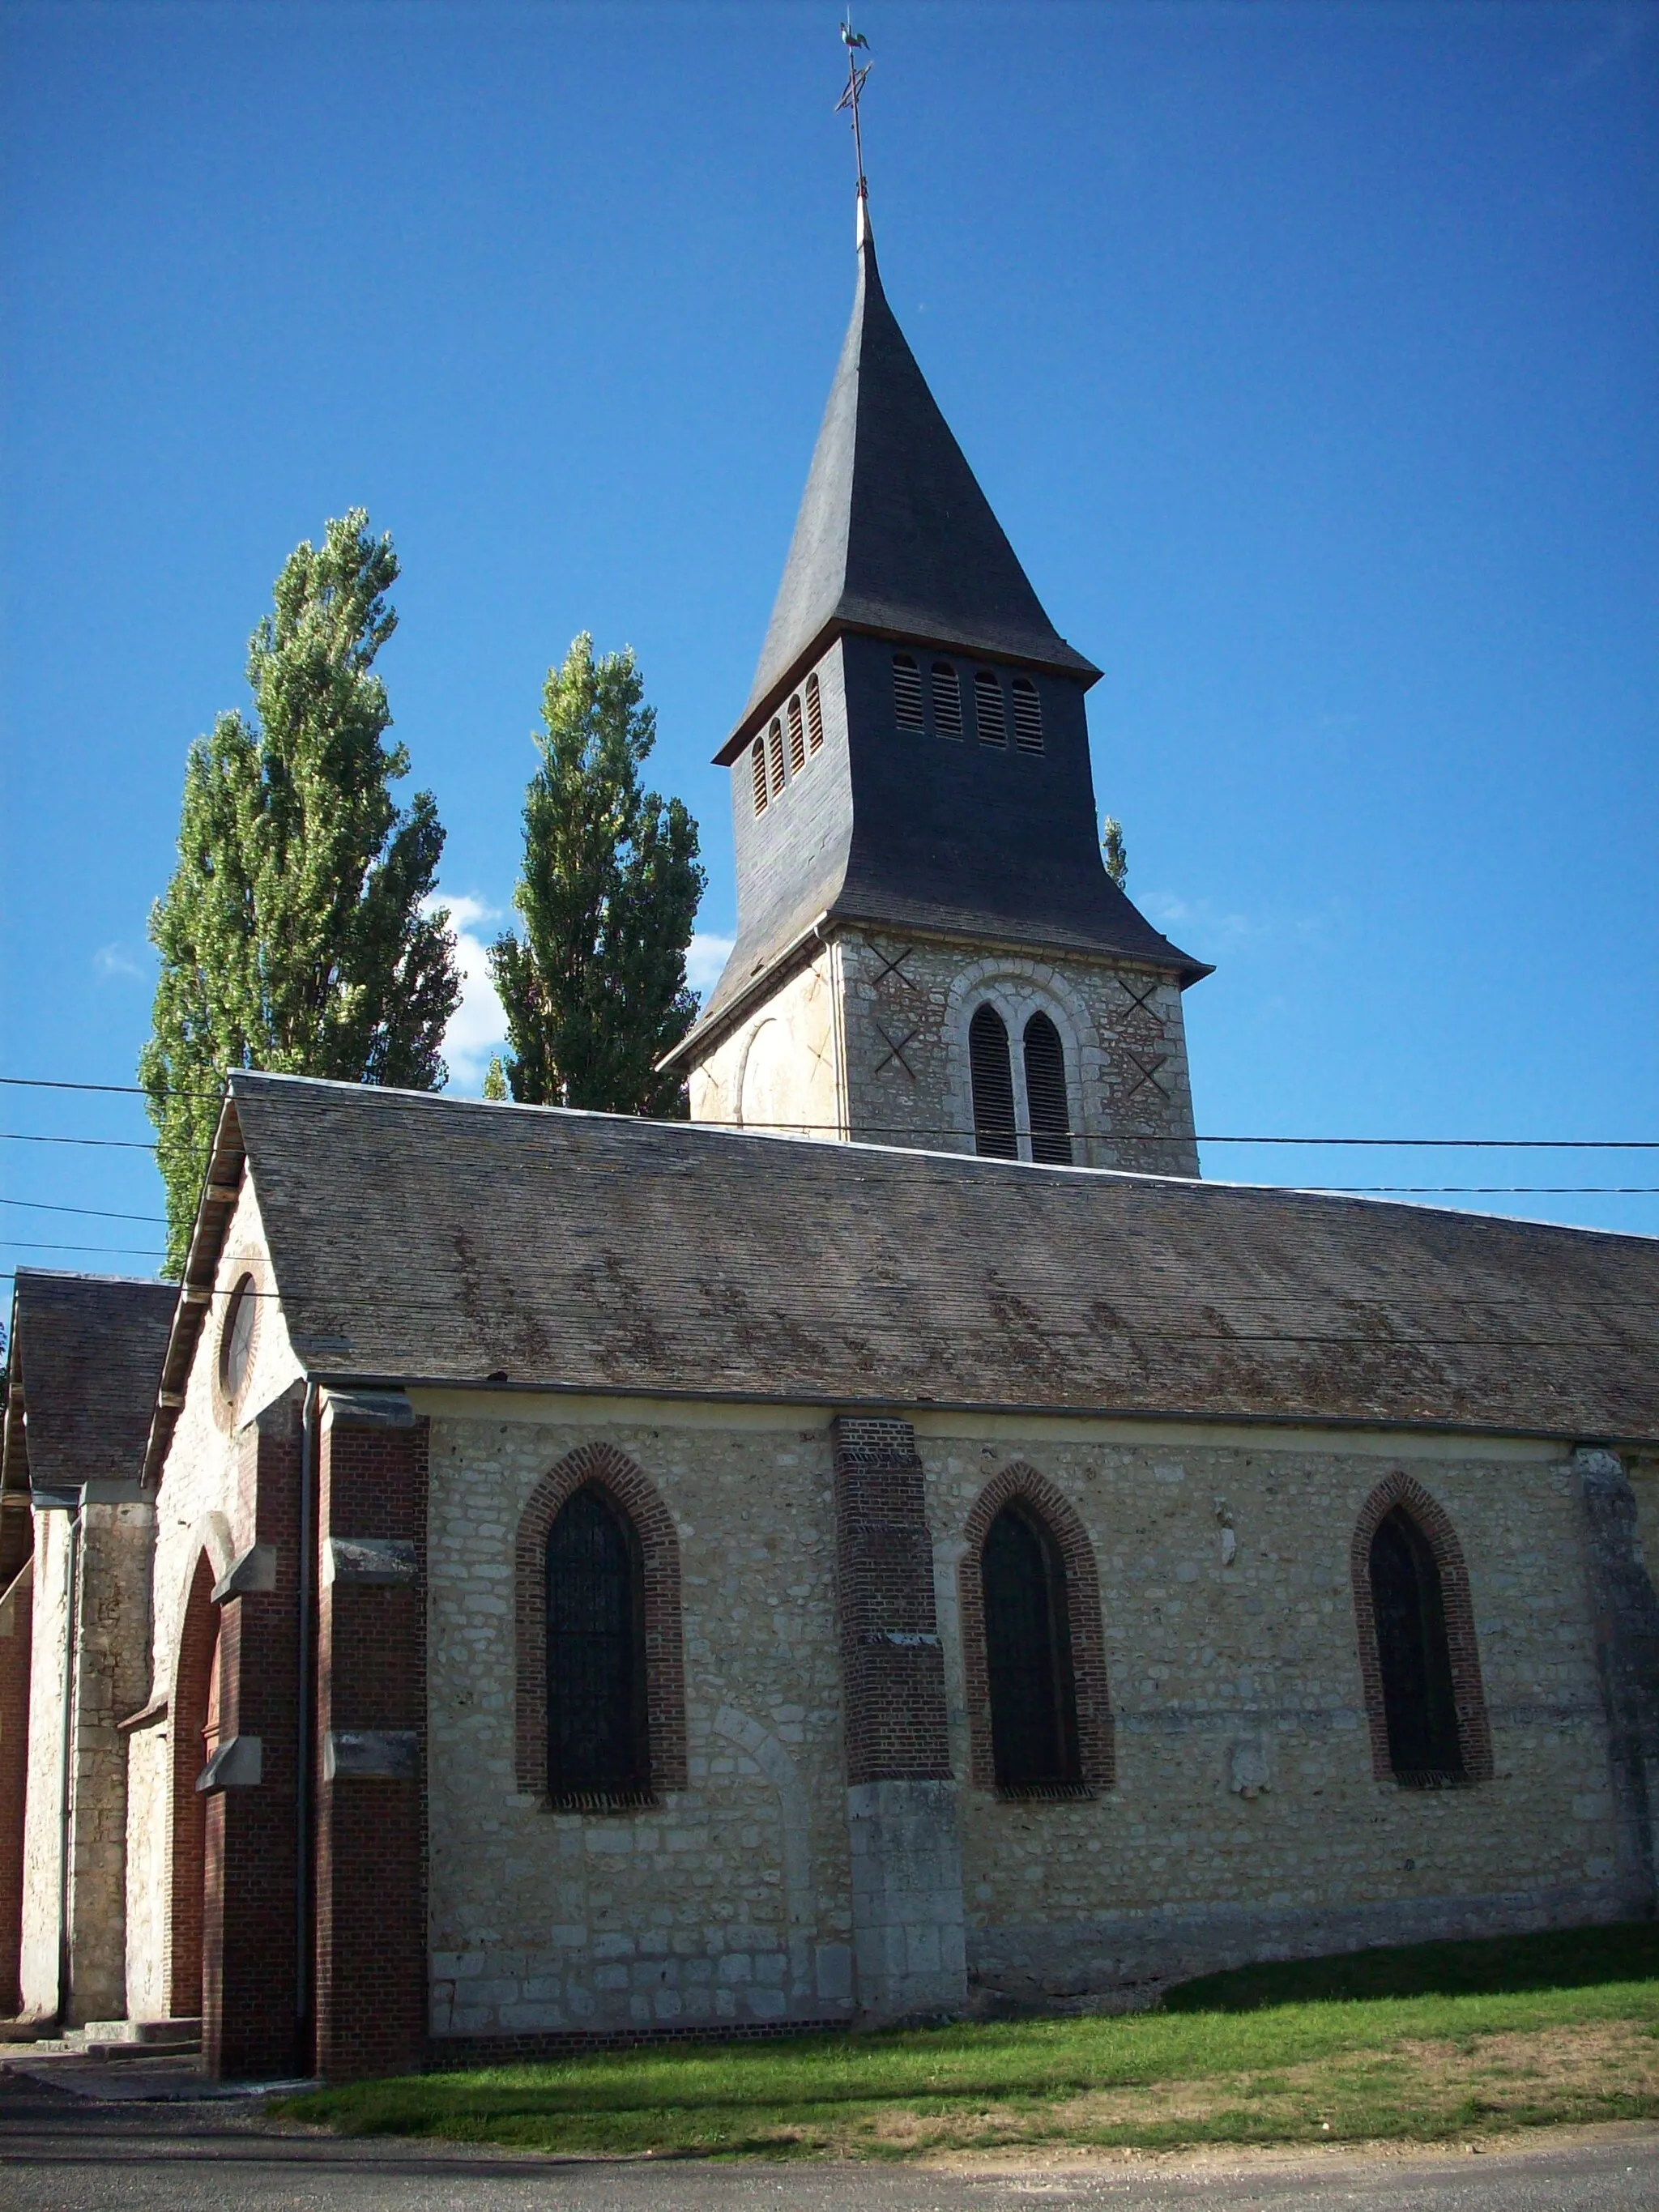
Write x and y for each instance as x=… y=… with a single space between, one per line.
x=897 y=1545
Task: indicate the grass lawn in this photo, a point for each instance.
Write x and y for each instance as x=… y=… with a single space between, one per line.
x=1435 y=2040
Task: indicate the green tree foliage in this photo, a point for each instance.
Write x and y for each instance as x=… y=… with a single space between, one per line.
x=494 y=1082
x=1114 y=851
x=594 y=990
x=297 y=934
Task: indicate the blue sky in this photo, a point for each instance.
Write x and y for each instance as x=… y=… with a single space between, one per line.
x=1309 y=354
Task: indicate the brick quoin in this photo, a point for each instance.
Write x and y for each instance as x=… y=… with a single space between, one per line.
x=1096 y=1742
x=1468 y=1695
x=13 y=1775
x=665 y=1658
x=249 y=2022
x=371 y=1866
x=892 y=1667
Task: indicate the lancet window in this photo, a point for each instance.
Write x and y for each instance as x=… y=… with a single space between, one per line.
x=1027 y=1653
x=1045 y=1093
x=995 y=1133
x=596 y=1672
x=1419 y=1704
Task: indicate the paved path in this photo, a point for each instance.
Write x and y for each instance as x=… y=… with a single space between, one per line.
x=60 y=2153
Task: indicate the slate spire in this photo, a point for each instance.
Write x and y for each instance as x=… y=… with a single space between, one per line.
x=894 y=535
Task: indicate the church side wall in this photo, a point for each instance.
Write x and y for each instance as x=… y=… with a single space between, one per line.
x=728 y=1901
x=201 y=1506
x=1245 y=1820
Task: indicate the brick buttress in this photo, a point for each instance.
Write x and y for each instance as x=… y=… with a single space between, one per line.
x=370 y=1873
x=907 y=1927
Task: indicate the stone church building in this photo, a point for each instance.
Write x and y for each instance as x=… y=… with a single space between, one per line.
x=898 y=1544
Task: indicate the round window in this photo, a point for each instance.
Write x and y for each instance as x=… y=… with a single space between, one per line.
x=236 y=1341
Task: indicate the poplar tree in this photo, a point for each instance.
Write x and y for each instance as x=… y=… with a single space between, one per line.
x=594 y=988
x=298 y=933
x=1114 y=851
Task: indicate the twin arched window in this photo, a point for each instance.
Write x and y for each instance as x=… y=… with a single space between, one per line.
x=996 y=1127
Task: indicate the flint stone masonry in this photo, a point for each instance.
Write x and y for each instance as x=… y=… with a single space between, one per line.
x=867 y=1038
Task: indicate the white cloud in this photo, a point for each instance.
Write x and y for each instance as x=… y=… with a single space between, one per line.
x=477 y=1028
x=113 y=960
x=705 y=957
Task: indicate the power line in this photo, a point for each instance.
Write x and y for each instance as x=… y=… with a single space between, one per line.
x=818 y=1128
x=104 y=1212
x=107 y=1144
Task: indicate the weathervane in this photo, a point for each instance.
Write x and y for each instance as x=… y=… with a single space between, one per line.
x=853 y=40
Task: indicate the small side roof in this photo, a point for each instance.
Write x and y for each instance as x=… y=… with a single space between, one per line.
x=424 y=1239
x=86 y=1356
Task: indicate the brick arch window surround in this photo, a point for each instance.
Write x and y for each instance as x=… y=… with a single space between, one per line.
x=1092 y=1755
x=1404 y=1534
x=627 y=1495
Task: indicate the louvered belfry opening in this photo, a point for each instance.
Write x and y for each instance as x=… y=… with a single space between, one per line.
x=947 y=700
x=596 y=1684
x=797 y=738
x=814 y=715
x=774 y=748
x=1045 y=1093
x=907 y=693
x=758 y=758
x=1028 y=1654
x=1028 y=716
x=993 y=1075
x=1419 y=1703
x=988 y=710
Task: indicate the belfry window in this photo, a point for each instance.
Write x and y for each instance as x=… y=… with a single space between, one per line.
x=907 y=693
x=1419 y=1705
x=1028 y=1654
x=758 y=761
x=1028 y=716
x=774 y=749
x=988 y=711
x=1045 y=1093
x=994 y=1132
x=596 y=1674
x=947 y=700
x=814 y=717
x=797 y=738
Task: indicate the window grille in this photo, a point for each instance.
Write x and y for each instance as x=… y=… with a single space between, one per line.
x=797 y=738
x=757 y=758
x=1028 y=1656
x=1028 y=716
x=774 y=744
x=992 y=1077
x=989 y=709
x=1419 y=1705
x=947 y=700
x=1045 y=1093
x=596 y=1734
x=907 y=693
x=814 y=715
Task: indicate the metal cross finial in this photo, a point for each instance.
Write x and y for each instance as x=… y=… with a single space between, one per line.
x=853 y=40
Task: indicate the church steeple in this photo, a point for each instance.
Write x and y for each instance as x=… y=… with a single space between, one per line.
x=894 y=536
x=915 y=823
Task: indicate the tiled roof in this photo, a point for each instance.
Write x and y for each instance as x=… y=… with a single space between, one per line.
x=88 y=1350
x=419 y=1237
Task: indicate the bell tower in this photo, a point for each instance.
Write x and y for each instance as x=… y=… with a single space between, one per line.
x=929 y=951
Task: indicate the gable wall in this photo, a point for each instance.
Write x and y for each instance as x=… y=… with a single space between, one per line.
x=204 y=1502
x=1218 y=1674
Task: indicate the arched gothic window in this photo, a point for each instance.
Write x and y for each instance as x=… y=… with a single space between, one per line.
x=1045 y=1093
x=1419 y=1703
x=907 y=693
x=992 y=1073
x=596 y=1674
x=1027 y=1653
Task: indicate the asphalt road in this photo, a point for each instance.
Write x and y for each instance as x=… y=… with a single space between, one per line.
x=60 y=2152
